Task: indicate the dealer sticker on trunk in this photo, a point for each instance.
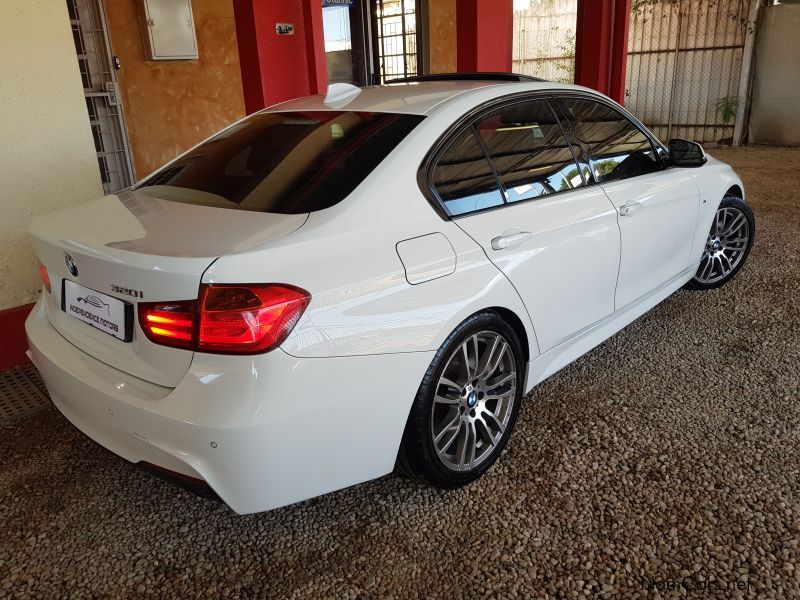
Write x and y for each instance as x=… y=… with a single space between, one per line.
x=99 y=310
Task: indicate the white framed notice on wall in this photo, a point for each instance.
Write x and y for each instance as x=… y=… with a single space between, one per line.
x=168 y=30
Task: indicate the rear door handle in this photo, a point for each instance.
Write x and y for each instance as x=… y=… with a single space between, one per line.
x=509 y=239
x=627 y=210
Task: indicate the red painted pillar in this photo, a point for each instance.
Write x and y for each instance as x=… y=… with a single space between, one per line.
x=484 y=30
x=315 y=47
x=601 y=46
x=279 y=67
x=13 y=341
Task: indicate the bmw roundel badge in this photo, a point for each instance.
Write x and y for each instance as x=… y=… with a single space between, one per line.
x=73 y=268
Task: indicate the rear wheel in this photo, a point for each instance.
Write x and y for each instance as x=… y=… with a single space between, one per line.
x=466 y=406
x=727 y=246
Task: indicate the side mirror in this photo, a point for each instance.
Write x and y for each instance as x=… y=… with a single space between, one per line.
x=683 y=153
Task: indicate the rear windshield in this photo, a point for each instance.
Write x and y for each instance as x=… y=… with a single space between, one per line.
x=287 y=163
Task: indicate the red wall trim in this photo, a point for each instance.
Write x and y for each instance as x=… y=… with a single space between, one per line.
x=484 y=31
x=315 y=48
x=13 y=342
x=619 y=50
x=279 y=67
x=247 y=42
x=601 y=46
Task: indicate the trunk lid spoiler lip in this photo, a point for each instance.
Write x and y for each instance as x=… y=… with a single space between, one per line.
x=117 y=225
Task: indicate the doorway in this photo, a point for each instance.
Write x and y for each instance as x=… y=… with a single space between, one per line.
x=371 y=41
x=90 y=33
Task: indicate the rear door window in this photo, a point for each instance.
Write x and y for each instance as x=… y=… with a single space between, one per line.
x=616 y=148
x=463 y=178
x=284 y=162
x=528 y=150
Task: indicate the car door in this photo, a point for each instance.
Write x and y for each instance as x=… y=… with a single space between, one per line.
x=510 y=181
x=658 y=207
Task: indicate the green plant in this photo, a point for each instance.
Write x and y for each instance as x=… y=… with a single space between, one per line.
x=567 y=49
x=726 y=108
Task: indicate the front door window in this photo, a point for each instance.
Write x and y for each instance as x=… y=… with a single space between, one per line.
x=528 y=151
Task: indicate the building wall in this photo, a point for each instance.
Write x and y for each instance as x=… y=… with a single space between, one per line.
x=441 y=37
x=47 y=154
x=774 y=118
x=684 y=66
x=171 y=105
x=280 y=67
x=544 y=39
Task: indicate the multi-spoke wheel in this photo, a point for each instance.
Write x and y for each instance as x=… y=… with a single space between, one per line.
x=473 y=401
x=467 y=404
x=727 y=246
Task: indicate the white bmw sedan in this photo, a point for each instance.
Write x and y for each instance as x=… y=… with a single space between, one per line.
x=340 y=286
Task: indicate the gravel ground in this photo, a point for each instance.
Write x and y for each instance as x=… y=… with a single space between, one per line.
x=662 y=464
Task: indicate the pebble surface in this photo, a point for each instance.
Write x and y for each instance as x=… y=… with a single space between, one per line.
x=663 y=464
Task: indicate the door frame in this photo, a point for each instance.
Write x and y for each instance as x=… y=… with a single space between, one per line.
x=424 y=179
x=111 y=92
x=420 y=12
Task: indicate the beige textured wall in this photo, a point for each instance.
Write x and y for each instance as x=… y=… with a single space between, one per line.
x=47 y=157
x=170 y=105
x=774 y=118
x=442 y=36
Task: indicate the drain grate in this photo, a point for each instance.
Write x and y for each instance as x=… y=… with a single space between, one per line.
x=22 y=392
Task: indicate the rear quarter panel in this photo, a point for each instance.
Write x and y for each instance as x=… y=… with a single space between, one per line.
x=346 y=257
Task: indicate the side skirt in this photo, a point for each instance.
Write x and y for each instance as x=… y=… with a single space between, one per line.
x=555 y=359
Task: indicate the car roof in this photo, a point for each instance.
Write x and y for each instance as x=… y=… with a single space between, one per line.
x=419 y=98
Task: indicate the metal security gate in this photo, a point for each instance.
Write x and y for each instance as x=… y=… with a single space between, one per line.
x=396 y=38
x=684 y=65
x=544 y=39
x=89 y=32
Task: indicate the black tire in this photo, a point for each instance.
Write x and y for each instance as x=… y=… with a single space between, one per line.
x=418 y=458
x=698 y=282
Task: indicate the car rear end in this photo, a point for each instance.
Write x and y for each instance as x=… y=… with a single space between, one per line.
x=149 y=356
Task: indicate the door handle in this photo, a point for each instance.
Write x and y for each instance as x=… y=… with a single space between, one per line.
x=509 y=239
x=627 y=210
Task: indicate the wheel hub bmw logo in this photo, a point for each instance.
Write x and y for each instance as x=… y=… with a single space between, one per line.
x=472 y=399
x=73 y=268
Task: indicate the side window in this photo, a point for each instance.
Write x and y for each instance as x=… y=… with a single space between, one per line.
x=463 y=177
x=616 y=148
x=528 y=150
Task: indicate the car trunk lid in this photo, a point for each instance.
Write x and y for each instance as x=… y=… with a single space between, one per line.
x=133 y=247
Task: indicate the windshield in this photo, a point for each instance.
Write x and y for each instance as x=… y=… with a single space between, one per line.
x=287 y=163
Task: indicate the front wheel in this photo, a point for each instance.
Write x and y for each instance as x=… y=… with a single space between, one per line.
x=727 y=246
x=466 y=406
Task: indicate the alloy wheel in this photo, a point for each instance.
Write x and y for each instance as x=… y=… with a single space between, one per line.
x=726 y=245
x=474 y=400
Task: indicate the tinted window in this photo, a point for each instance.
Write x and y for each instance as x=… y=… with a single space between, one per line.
x=463 y=178
x=289 y=163
x=528 y=150
x=616 y=148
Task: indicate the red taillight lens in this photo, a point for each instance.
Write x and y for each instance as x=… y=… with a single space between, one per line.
x=248 y=319
x=168 y=323
x=45 y=277
x=228 y=319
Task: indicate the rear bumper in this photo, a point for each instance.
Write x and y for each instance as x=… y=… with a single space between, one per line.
x=262 y=431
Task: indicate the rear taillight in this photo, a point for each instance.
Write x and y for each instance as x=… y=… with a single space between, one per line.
x=227 y=319
x=247 y=318
x=168 y=323
x=45 y=277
